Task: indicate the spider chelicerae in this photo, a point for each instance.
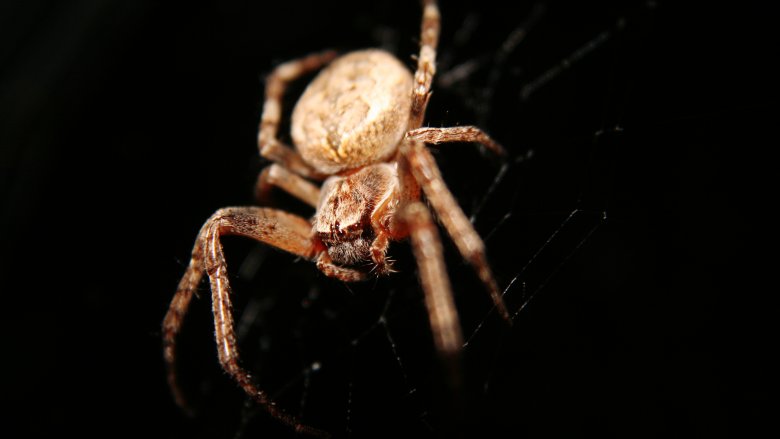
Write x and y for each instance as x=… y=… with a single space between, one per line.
x=357 y=128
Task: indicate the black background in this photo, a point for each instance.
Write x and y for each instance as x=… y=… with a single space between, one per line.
x=124 y=125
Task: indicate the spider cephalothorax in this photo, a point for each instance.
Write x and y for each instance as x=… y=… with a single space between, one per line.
x=357 y=127
x=353 y=210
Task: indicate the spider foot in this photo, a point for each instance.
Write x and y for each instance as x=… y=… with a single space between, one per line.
x=383 y=268
x=346 y=274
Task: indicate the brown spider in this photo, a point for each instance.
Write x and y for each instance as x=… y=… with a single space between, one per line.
x=357 y=127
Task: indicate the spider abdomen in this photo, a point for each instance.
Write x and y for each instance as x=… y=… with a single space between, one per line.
x=354 y=112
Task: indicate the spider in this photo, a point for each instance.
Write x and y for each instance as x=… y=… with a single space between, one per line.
x=357 y=128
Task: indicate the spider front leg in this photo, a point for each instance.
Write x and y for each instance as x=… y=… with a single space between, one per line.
x=282 y=230
x=174 y=318
x=423 y=167
x=439 y=302
x=427 y=250
x=469 y=133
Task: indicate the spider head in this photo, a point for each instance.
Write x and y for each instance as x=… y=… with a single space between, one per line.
x=349 y=246
x=343 y=221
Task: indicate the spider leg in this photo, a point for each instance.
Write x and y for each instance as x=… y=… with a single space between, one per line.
x=423 y=168
x=280 y=229
x=294 y=184
x=345 y=274
x=436 y=136
x=426 y=62
x=382 y=221
x=379 y=247
x=174 y=319
x=276 y=84
x=442 y=313
x=427 y=250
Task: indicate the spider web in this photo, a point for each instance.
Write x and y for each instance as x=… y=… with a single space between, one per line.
x=357 y=360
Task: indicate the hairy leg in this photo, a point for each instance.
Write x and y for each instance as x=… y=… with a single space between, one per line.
x=382 y=265
x=424 y=169
x=294 y=184
x=456 y=134
x=426 y=62
x=285 y=231
x=427 y=249
x=174 y=318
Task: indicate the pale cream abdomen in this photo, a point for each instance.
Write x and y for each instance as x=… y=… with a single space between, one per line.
x=354 y=112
